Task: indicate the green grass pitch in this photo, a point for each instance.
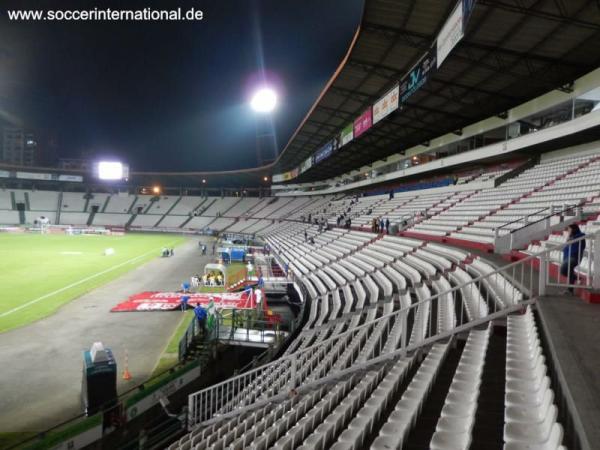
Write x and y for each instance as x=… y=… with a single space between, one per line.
x=39 y=273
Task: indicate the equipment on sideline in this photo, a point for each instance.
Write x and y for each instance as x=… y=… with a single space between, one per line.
x=99 y=384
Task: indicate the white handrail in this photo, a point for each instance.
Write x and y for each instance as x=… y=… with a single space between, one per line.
x=332 y=354
x=515 y=238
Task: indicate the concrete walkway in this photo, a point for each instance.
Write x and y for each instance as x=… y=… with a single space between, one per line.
x=572 y=332
x=41 y=364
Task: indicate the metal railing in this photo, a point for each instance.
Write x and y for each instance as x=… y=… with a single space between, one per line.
x=510 y=237
x=483 y=298
x=250 y=326
x=471 y=303
x=190 y=338
x=574 y=272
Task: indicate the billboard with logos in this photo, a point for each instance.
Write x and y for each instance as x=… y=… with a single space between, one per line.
x=418 y=76
x=363 y=122
x=34 y=176
x=347 y=134
x=450 y=34
x=386 y=104
x=307 y=164
x=73 y=178
x=324 y=152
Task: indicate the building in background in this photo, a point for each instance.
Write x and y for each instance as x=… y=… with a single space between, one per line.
x=19 y=147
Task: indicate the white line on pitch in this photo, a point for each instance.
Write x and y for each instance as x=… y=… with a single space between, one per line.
x=43 y=297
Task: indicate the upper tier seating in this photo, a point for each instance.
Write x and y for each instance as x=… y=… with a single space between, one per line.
x=558 y=182
x=43 y=200
x=243 y=206
x=5 y=200
x=9 y=217
x=76 y=218
x=186 y=205
x=120 y=203
x=72 y=202
x=218 y=205
x=162 y=204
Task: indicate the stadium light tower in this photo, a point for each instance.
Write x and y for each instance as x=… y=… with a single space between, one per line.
x=263 y=103
x=264 y=100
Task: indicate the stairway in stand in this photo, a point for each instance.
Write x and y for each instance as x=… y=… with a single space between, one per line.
x=489 y=419
x=420 y=436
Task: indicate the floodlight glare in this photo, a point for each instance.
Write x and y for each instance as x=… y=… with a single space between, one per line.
x=264 y=100
x=108 y=170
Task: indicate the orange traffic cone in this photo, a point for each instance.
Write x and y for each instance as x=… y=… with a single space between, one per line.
x=126 y=374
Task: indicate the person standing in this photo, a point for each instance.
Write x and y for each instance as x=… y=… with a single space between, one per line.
x=201 y=314
x=185 y=287
x=387 y=225
x=572 y=255
x=184 y=302
x=381 y=225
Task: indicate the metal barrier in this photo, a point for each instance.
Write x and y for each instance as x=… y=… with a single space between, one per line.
x=248 y=325
x=473 y=303
x=531 y=226
x=189 y=338
x=470 y=303
x=571 y=273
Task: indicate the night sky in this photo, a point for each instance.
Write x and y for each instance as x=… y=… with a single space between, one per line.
x=168 y=95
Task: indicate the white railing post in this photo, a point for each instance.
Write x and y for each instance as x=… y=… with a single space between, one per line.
x=403 y=339
x=293 y=372
x=191 y=411
x=595 y=257
x=542 y=273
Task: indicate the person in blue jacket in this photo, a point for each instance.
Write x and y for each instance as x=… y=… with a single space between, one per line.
x=572 y=255
x=183 y=300
x=201 y=314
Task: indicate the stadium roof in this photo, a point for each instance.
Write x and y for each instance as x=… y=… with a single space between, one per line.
x=511 y=52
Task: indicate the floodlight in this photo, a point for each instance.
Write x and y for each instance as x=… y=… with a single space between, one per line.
x=264 y=100
x=110 y=170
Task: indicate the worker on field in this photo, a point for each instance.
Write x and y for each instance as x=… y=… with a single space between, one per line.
x=184 y=302
x=201 y=314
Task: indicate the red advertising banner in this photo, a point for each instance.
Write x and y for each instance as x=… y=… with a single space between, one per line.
x=363 y=122
x=168 y=301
